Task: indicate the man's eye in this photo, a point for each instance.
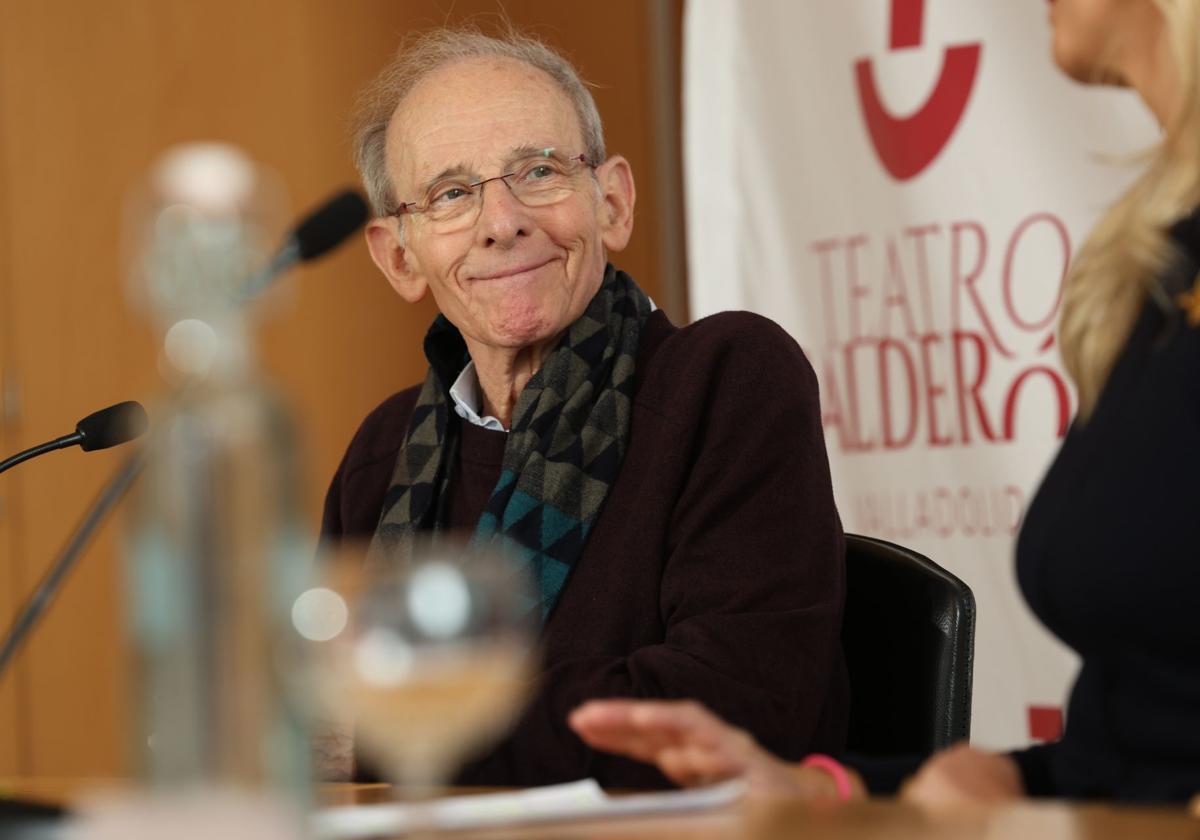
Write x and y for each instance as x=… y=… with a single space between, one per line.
x=541 y=171
x=448 y=195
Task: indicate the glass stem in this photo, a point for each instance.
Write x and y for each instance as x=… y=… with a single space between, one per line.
x=421 y=786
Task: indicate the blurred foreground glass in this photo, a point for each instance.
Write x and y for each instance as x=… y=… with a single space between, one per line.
x=216 y=550
x=433 y=659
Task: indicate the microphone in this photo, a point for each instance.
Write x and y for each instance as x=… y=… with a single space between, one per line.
x=317 y=234
x=111 y=426
x=326 y=227
x=107 y=427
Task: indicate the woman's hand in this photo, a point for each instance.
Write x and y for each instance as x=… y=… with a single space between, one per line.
x=962 y=775
x=692 y=746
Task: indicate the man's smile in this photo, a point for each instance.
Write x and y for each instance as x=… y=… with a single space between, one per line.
x=513 y=272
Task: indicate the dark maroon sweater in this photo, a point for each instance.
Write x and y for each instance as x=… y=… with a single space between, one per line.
x=714 y=570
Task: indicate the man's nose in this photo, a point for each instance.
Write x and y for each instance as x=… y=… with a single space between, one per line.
x=502 y=218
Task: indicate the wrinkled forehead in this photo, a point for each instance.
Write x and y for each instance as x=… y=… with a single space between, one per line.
x=473 y=116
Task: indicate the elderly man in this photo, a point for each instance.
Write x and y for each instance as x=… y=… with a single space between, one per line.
x=668 y=486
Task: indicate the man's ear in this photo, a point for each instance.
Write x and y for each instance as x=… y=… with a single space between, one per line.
x=617 y=197
x=388 y=251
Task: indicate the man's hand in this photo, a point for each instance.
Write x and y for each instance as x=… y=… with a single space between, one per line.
x=964 y=776
x=692 y=746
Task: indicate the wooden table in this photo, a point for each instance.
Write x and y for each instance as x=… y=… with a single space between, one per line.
x=788 y=819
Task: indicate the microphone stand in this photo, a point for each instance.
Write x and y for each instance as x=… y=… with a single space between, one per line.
x=284 y=258
x=106 y=500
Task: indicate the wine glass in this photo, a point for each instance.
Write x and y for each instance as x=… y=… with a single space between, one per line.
x=435 y=660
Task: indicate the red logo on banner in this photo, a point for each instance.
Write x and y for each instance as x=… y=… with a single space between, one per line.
x=907 y=145
x=1045 y=723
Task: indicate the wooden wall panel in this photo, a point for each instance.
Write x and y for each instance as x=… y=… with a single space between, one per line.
x=90 y=93
x=9 y=504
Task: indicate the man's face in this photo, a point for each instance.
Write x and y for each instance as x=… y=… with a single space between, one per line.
x=520 y=275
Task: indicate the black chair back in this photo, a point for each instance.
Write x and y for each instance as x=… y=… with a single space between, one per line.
x=909 y=640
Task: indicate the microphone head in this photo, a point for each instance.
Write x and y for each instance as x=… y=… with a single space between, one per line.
x=111 y=426
x=328 y=225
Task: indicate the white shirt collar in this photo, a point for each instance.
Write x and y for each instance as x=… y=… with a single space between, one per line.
x=468 y=397
x=468 y=400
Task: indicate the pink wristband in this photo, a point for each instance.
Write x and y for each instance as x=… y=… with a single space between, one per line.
x=833 y=767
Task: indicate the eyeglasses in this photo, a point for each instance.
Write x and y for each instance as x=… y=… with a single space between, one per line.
x=539 y=180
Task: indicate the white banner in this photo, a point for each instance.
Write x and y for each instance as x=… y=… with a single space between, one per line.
x=900 y=185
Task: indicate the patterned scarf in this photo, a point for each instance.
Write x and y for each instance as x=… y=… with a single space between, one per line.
x=570 y=430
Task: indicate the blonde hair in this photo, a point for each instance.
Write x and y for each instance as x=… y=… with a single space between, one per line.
x=1129 y=247
x=421 y=54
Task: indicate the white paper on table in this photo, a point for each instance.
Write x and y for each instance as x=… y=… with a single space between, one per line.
x=584 y=799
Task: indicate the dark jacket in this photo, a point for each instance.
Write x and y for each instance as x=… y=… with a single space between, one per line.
x=1109 y=560
x=715 y=570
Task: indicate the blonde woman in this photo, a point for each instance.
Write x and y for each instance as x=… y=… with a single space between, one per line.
x=1107 y=556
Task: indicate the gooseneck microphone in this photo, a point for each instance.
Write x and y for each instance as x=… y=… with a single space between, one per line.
x=317 y=234
x=107 y=427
